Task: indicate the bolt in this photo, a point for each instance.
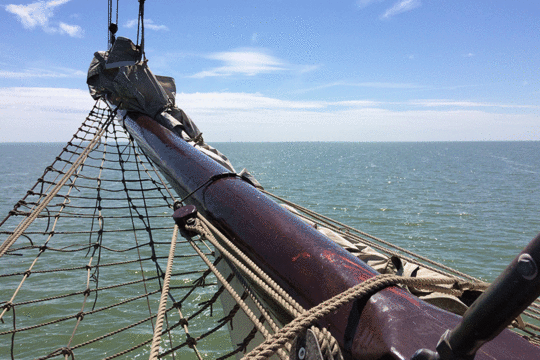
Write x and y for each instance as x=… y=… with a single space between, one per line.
x=526 y=267
x=302 y=353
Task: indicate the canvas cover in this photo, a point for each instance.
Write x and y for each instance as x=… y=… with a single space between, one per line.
x=125 y=80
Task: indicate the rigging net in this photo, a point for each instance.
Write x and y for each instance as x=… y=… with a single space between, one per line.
x=86 y=275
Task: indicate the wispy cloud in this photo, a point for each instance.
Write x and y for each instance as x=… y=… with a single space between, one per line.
x=39 y=14
x=255 y=117
x=466 y=104
x=56 y=113
x=374 y=84
x=365 y=3
x=468 y=55
x=71 y=30
x=148 y=24
x=400 y=7
x=248 y=62
x=242 y=101
x=42 y=73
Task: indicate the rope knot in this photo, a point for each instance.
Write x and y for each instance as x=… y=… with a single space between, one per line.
x=191 y=342
x=80 y=316
x=8 y=305
x=27 y=273
x=67 y=351
x=183 y=322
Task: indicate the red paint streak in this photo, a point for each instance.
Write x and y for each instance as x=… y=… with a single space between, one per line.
x=333 y=257
x=303 y=255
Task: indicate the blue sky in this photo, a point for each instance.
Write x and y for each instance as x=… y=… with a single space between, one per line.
x=356 y=70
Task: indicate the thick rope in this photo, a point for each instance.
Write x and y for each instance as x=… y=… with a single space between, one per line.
x=154 y=352
x=368 y=287
x=269 y=285
x=328 y=342
x=233 y=294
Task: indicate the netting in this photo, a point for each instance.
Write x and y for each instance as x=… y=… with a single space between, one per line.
x=85 y=277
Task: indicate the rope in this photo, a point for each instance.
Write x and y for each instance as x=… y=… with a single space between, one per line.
x=140 y=26
x=26 y=223
x=360 y=291
x=250 y=269
x=94 y=206
x=328 y=342
x=154 y=352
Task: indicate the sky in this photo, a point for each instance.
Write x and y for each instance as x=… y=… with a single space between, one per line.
x=282 y=70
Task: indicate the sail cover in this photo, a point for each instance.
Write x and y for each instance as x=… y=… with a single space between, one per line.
x=125 y=80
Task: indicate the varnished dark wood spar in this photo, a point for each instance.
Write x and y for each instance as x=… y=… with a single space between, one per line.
x=391 y=325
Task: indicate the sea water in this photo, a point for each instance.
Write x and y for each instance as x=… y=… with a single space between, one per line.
x=470 y=205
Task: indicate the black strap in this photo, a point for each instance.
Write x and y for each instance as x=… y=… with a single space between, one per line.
x=211 y=180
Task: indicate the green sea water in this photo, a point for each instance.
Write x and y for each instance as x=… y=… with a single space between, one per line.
x=470 y=205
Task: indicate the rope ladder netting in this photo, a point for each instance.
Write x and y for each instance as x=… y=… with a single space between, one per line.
x=92 y=267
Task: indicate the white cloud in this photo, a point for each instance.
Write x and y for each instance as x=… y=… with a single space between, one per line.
x=254 y=38
x=241 y=101
x=42 y=114
x=468 y=55
x=55 y=114
x=131 y=23
x=71 y=30
x=43 y=73
x=38 y=14
x=148 y=24
x=375 y=85
x=400 y=7
x=245 y=62
x=465 y=104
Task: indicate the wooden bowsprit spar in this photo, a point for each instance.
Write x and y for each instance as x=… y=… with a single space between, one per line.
x=392 y=324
